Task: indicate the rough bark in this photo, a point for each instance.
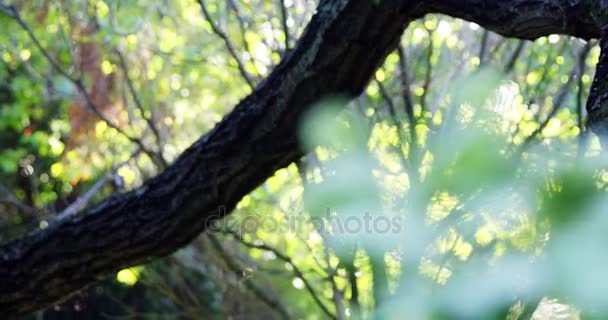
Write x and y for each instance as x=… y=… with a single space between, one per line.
x=597 y=102
x=344 y=43
x=526 y=19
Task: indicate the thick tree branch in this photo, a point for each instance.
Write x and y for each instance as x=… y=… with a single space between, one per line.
x=343 y=45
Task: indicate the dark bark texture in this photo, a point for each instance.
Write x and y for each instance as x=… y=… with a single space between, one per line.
x=344 y=43
x=526 y=19
x=597 y=102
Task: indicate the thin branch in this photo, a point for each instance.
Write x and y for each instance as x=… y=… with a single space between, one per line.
x=557 y=104
x=393 y=115
x=538 y=87
x=284 y=16
x=302 y=168
x=405 y=86
x=389 y=102
x=582 y=134
x=545 y=77
x=409 y=109
x=501 y=42
x=483 y=47
x=429 y=71
x=355 y=304
x=337 y=294
x=515 y=56
x=235 y=268
x=140 y=107
x=7 y=197
x=288 y=260
x=12 y=12
x=80 y=203
x=582 y=66
x=338 y=297
x=446 y=259
x=243 y=25
x=229 y=45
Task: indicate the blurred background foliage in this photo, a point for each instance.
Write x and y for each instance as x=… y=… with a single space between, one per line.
x=471 y=147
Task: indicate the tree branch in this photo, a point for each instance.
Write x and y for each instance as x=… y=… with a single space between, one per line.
x=557 y=104
x=140 y=106
x=284 y=17
x=288 y=260
x=12 y=12
x=243 y=25
x=249 y=145
x=8 y=198
x=525 y=19
x=229 y=45
x=80 y=203
x=261 y=294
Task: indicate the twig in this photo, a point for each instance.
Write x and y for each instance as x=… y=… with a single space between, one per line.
x=338 y=297
x=337 y=294
x=243 y=24
x=288 y=260
x=234 y=267
x=302 y=168
x=582 y=66
x=405 y=86
x=483 y=47
x=139 y=105
x=82 y=201
x=10 y=11
x=579 y=98
x=284 y=16
x=560 y=97
x=409 y=110
x=501 y=42
x=515 y=56
x=545 y=76
x=537 y=87
x=392 y=110
x=229 y=45
x=429 y=70
x=8 y=198
x=355 y=304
